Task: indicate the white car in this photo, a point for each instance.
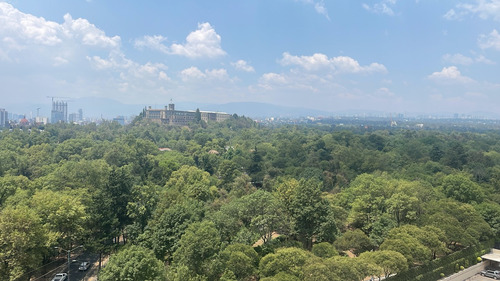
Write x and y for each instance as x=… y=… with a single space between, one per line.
x=60 y=277
x=495 y=274
x=84 y=266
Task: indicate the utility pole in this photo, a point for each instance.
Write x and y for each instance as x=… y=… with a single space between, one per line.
x=69 y=255
x=69 y=261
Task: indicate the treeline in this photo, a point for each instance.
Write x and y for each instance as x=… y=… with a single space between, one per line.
x=241 y=201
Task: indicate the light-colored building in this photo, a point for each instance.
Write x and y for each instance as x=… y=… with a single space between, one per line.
x=41 y=120
x=4 y=118
x=170 y=116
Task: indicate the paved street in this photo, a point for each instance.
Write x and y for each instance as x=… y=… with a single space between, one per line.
x=75 y=275
x=478 y=277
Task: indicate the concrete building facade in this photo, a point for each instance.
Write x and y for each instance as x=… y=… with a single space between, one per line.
x=59 y=113
x=170 y=116
x=4 y=118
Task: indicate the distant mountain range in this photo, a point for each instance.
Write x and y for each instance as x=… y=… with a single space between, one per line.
x=109 y=108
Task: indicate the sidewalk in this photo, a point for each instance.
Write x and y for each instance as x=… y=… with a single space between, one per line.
x=466 y=274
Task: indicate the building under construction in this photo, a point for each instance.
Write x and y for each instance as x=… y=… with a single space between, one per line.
x=59 y=113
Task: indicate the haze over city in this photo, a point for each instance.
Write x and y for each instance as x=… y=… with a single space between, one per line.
x=388 y=55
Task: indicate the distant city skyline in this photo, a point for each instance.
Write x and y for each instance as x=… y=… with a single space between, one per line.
x=385 y=55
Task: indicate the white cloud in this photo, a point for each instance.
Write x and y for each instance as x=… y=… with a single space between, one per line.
x=483 y=59
x=217 y=74
x=449 y=75
x=465 y=60
x=27 y=29
x=319 y=6
x=491 y=40
x=383 y=7
x=203 y=42
x=485 y=9
x=152 y=42
x=163 y=76
x=452 y=15
x=129 y=70
x=292 y=82
x=340 y=64
x=35 y=40
x=273 y=78
x=458 y=59
x=193 y=73
x=243 y=66
x=24 y=29
x=88 y=33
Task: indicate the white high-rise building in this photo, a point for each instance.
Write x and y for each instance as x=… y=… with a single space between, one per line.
x=4 y=118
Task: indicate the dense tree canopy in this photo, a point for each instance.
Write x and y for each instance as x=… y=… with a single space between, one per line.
x=239 y=200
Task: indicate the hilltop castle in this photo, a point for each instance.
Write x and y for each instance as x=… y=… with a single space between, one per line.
x=170 y=116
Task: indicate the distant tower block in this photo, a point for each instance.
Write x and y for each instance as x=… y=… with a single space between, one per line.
x=171 y=106
x=59 y=113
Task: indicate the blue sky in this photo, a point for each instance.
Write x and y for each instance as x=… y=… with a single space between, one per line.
x=387 y=55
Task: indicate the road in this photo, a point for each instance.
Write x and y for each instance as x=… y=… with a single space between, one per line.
x=75 y=274
x=478 y=277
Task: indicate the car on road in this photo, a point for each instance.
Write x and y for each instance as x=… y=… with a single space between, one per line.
x=60 y=277
x=495 y=274
x=84 y=266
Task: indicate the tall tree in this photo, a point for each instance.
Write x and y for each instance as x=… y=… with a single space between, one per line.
x=311 y=213
x=389 y=261
x=23 y=242
x=198 y=248
x=133 y=263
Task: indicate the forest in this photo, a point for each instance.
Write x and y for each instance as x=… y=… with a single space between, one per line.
x=239 y=200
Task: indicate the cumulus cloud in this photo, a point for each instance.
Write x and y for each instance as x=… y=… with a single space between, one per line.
x=203 y=42
x=88 y=33
x=449 y=75
x=383 y=7
x=491 y=40
x=129 y=69
x=35 y=40
x=341 y=64
x=25 y=29
x=193 y=73
x=243 y=66
x=484 y=9
x=152 y=42
x=273 y=78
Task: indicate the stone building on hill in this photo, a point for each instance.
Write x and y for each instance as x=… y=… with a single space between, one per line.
x=170 y=116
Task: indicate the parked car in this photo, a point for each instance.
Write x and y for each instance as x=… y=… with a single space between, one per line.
x=495 y=274
x=84 y=266
x=60 y=277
